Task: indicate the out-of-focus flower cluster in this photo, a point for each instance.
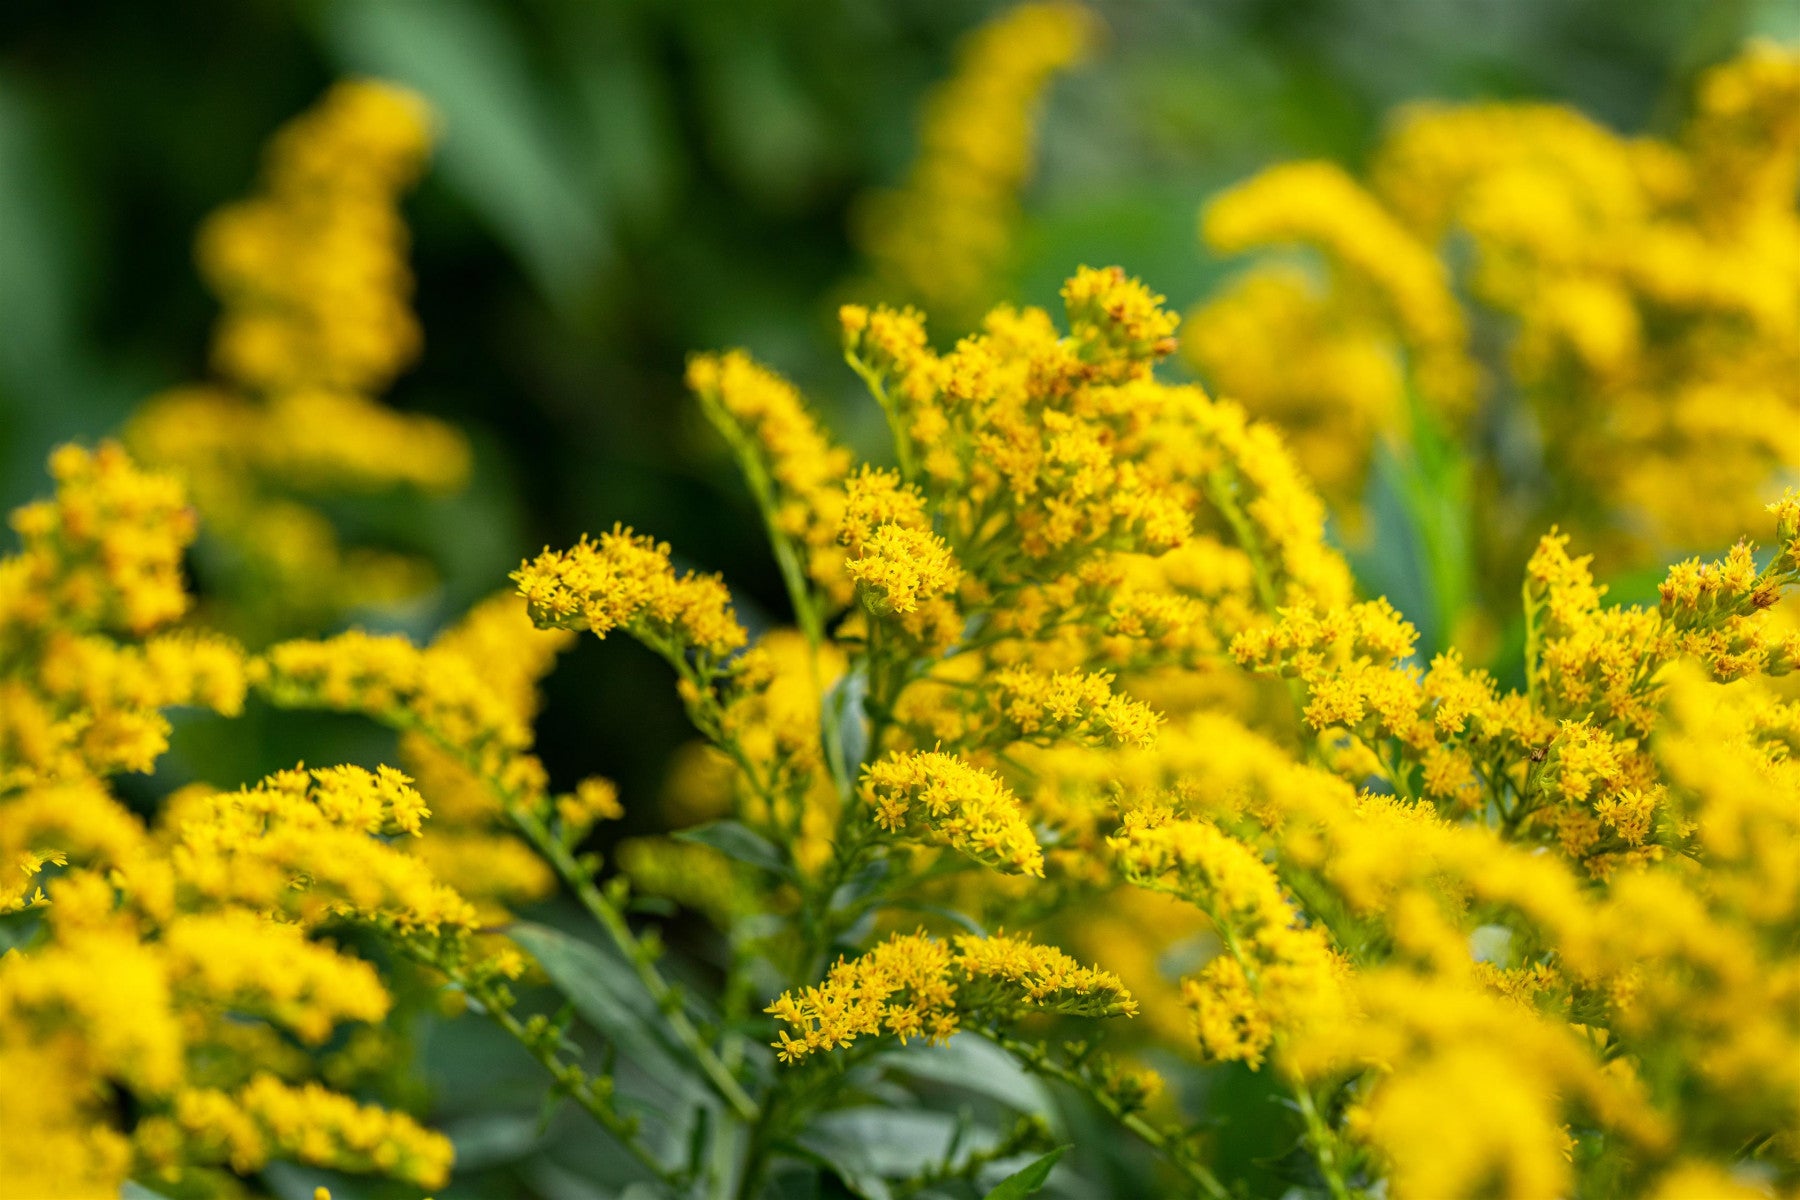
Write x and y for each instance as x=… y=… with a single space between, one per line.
x=316 y=322
x=1619 y=314
x=944 y=237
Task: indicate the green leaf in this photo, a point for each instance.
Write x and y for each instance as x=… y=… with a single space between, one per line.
x=606 y=992
x=1027 y=1180
x=137 y=1191
x=19 y=930
x=846 y=702
x=975 y=1066
x=736 y=840
x=492 y=1139
x=869 y=1145
x=847 y=1160
x=942 y=912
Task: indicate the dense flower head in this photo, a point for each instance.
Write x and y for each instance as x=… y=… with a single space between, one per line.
x=1067 y=705
x=93 y=706
x=267 y=1118
x=947 y=800
x=245 y=962
x=105 y=553
x=622 y=579
x=1038 y=451
x=916 y=986
x=874 y=498
x=898 y=569
x=1115 y=317
x=245 y=846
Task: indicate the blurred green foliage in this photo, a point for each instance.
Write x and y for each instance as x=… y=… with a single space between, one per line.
x=622 y=182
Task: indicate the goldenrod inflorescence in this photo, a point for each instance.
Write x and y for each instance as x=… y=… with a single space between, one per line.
x=1077 y=656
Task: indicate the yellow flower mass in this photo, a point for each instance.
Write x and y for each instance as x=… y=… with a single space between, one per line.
x=1496 y=900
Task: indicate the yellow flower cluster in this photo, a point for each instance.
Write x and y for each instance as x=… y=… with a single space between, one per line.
x=900 y=570
x=312 y=270
x=1633 y=957
x=464 y=706
x=915 y=986
x=267 y=1118
x=1275 y=973
x=1649 y=287
x=624 y=580
x=1050 y=466
x=944 y=236
x=105 y=554
x=312 y=275
x=950 y=801
x=246 y=847
x=1043 y=438
x=84 y=672
x=160 y=967
x=1510 y=915
x=1066 y=706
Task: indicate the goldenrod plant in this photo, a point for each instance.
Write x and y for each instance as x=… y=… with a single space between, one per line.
x=1595 y=329
x=1085 y=798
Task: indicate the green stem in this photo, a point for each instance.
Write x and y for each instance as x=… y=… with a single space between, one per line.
x=609 y=918
x=596 y=1100
x=1167 y=1144
x=579 y=1086
x=801 y=596
x=1532 y=650
x=903 y=448
x=1219 y=491
x=756 y=1152
x=1321 y=1139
